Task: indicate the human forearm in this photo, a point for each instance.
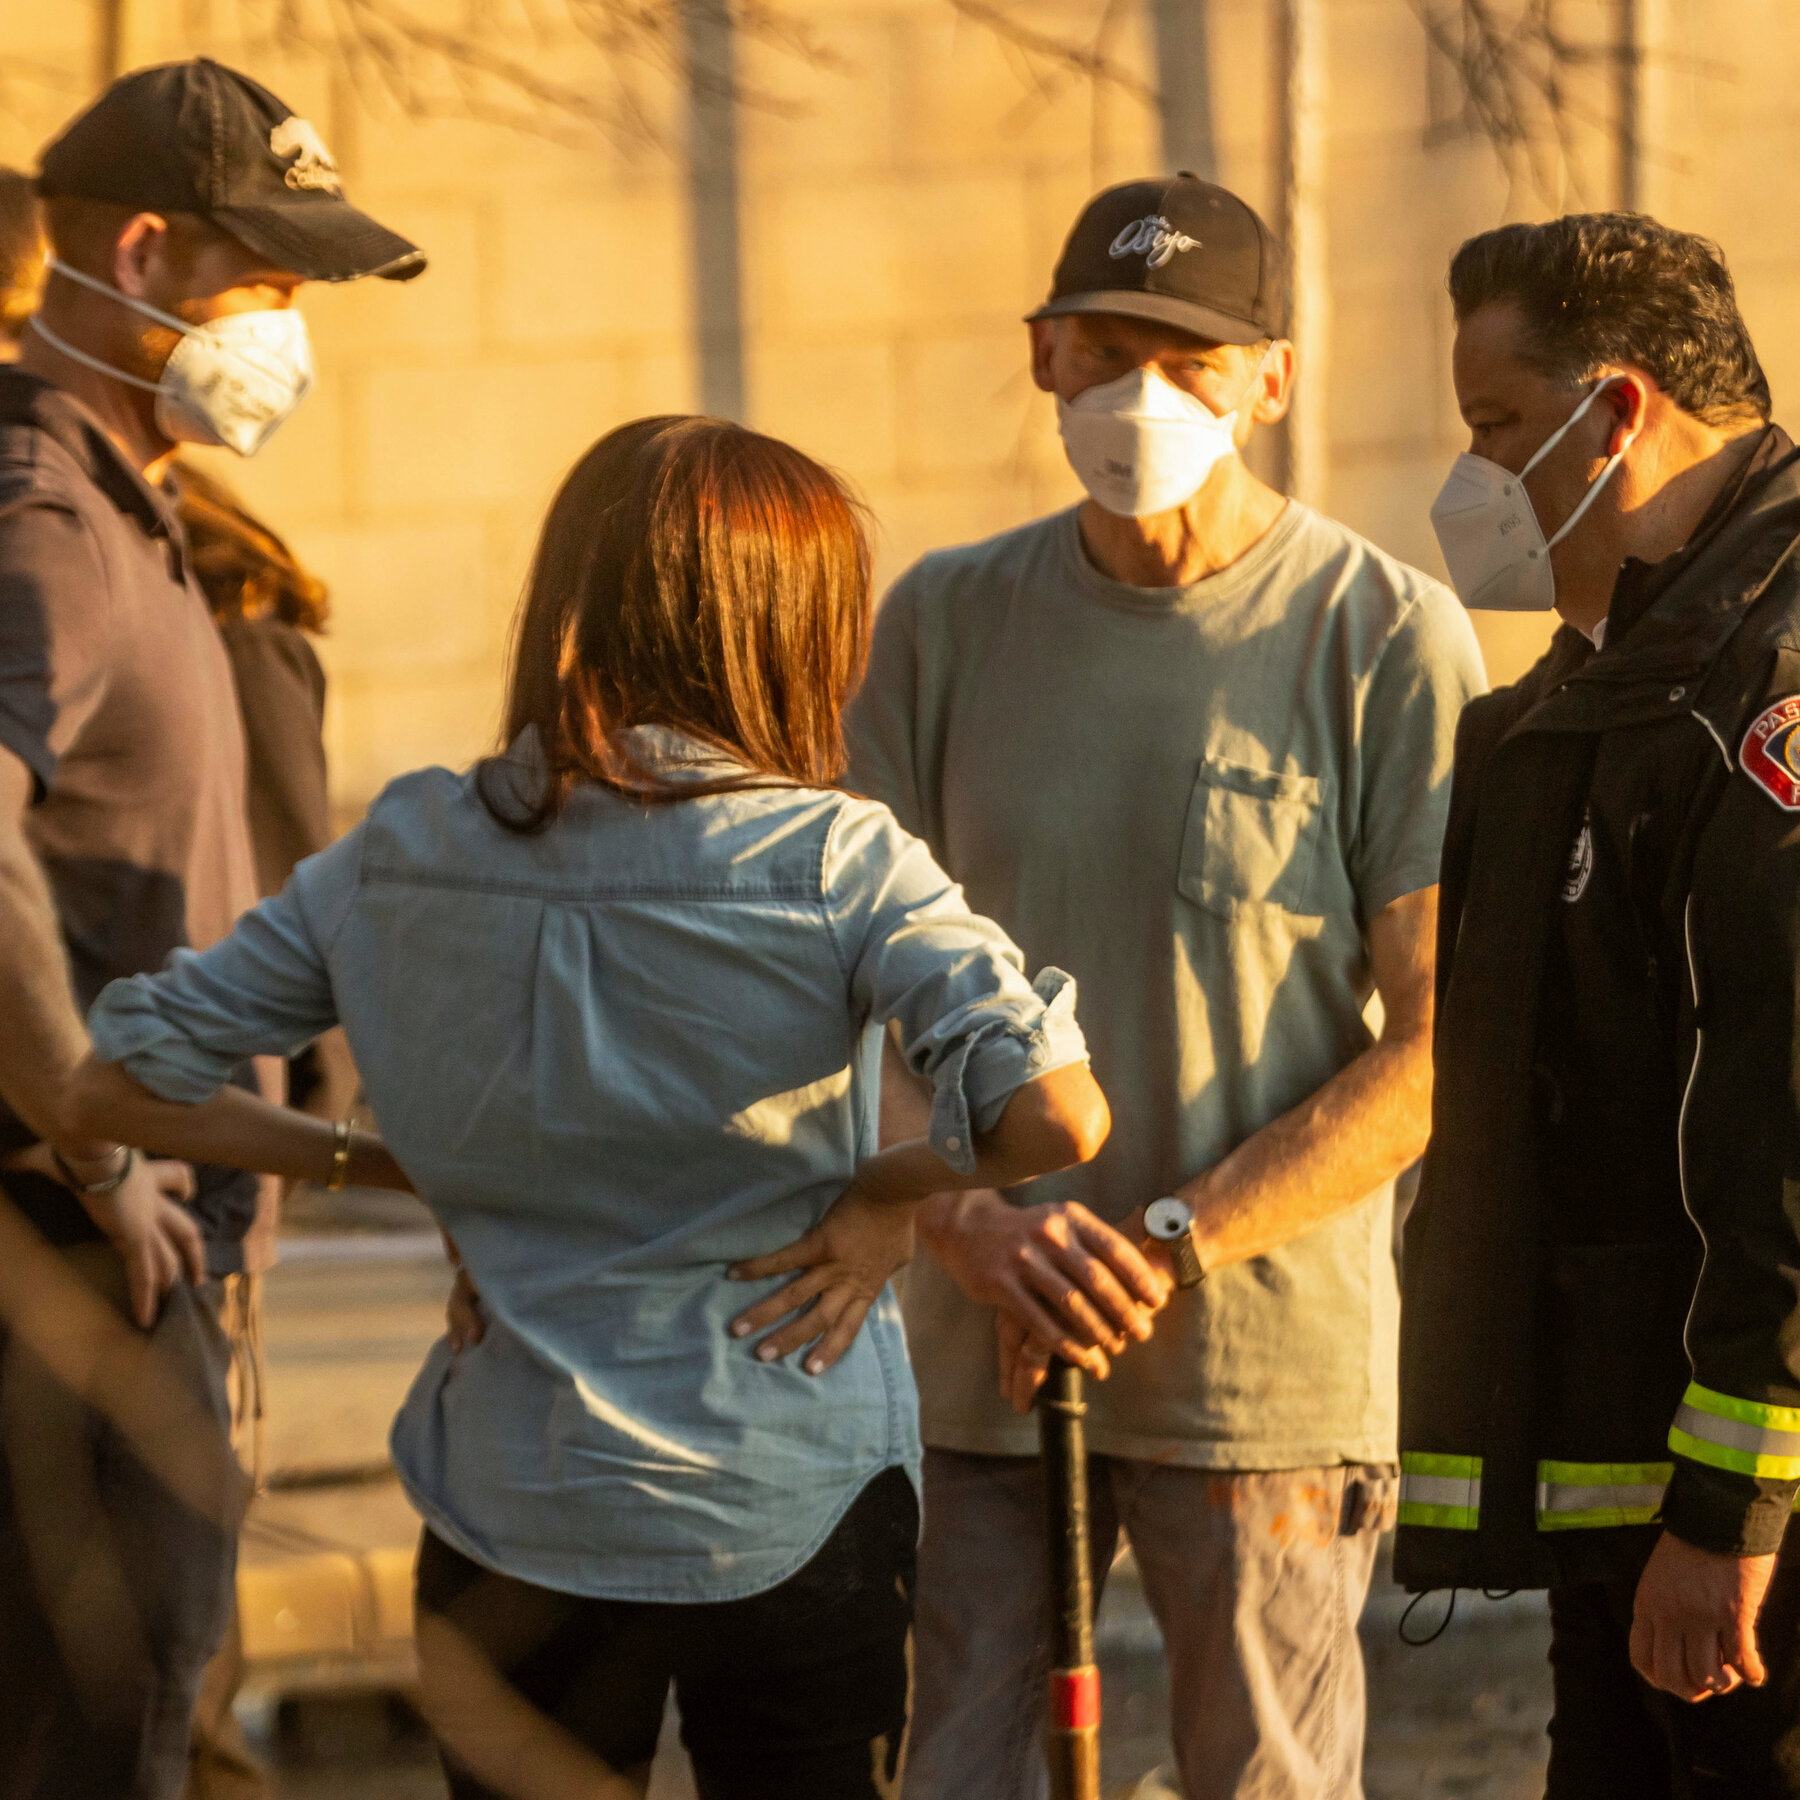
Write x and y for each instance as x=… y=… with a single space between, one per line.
x=1050 y=1123
x=44 y=1040
x=1323 y=1157
x=233 y=1128
x=1357 y=1130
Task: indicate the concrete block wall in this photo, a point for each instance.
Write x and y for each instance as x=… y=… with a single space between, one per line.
x=901 y=207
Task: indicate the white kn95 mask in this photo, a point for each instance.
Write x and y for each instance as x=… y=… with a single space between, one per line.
x=1140 y=445
x=1488 y=530
x=230 y=382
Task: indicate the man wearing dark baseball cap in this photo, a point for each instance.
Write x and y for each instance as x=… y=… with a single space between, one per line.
x=184 y=209
x=1190 y=741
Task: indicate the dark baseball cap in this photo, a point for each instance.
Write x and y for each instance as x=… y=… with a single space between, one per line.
x=1182 y=252
x=197 y=137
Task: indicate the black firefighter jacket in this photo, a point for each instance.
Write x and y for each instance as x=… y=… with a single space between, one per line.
x=1601 y=1328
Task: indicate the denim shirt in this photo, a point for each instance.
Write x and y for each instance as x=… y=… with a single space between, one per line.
x=615 y=1057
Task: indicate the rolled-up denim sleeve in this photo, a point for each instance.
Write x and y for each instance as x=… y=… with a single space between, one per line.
x=263 y=991
x=969 y=1021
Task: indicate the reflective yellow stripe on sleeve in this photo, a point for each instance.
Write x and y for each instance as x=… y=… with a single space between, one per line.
x=1444 y=1491
x=1741 y=1435
x=1590 y=1496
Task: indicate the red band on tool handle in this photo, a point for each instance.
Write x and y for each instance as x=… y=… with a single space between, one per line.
x=1074 y=1698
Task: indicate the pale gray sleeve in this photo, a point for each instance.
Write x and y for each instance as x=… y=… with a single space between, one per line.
x=1430 y=668
x=881 y=723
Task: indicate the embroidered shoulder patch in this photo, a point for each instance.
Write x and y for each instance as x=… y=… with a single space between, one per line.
x=1770 y=752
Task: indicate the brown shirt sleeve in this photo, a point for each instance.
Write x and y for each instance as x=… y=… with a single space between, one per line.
x=55 y=618
x=281 y=691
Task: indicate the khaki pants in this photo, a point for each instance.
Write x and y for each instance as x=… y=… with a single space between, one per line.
x=1257 y=1581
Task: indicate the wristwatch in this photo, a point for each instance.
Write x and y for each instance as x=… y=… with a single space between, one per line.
x=1171 y=1221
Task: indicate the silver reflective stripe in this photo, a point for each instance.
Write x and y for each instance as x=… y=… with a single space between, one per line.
x=1556 y=1496
x=1440 y=1490
x=1575 y=1496
x=1736 y=1434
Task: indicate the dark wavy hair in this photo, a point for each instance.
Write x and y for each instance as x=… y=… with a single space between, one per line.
x=696 y=575
x=1595 y=289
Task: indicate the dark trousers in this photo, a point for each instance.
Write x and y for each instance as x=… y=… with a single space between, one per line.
x=1614 y=1737
x=797 y=1692
x=119 y=1507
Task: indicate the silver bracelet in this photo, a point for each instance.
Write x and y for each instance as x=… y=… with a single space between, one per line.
x=107 y=1184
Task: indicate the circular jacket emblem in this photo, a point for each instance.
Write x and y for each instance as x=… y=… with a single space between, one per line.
x=1581 y=863
x=1770 y=752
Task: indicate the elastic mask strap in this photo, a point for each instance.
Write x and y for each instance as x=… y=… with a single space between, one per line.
x=1262 y=362
x=1599 y=481
x=82 y=279
x=89 y=362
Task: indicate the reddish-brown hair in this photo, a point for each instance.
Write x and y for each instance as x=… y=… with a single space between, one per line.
x=695 y=575
x=244 y=568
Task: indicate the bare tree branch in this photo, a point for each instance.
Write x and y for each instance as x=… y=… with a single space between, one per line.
x=1521 y=76
x=1048 y=63
x=1514 y=72
x=485 y=68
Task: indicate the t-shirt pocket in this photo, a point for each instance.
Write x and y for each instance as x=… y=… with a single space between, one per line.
x=1251 y=839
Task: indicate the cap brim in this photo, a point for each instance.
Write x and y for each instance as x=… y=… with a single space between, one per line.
x=323 y=240
x=1161 y=309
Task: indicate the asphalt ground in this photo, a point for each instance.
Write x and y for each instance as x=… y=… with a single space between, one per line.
x=348 y=1316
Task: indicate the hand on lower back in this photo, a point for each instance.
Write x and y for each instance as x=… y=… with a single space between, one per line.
x=465 y=1323
x=840 y=1269
x=1693 y=1629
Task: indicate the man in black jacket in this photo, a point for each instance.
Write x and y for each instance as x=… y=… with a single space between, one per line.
x=1601 y=1333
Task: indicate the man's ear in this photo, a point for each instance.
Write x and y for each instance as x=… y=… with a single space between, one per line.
x=1628 y=400
x=1043 y=344
x=1271 y=390
x=139 y=249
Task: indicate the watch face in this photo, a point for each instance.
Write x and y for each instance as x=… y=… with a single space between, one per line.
x=1168 y=1219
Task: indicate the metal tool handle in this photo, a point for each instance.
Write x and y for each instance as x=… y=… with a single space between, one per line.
x=1073 y=1745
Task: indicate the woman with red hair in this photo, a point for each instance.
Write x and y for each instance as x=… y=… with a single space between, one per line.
x=617 y=996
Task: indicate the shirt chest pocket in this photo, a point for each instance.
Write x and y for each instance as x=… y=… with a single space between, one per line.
x=1251 y=839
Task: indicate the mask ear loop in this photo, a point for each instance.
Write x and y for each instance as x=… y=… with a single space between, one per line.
x=1599 y=481
x=1256 y=375
x=87 y=361
x=83 y=279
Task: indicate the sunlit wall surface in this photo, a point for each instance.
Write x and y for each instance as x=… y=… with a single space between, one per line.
x=839 y=209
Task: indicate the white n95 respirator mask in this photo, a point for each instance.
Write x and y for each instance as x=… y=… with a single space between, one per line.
x=1488 y=529
x=1140 y=445
x=231 y=382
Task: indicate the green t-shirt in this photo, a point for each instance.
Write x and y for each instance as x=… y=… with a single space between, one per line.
x=1192 y=799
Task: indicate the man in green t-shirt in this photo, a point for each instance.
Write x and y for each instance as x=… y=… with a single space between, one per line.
x=1191 y=742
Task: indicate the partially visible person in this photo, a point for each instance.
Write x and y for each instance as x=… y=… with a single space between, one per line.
x=24 y=258
x=617 y=997
x=185 y=209
x=1600 y=1360
x=269 y=608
